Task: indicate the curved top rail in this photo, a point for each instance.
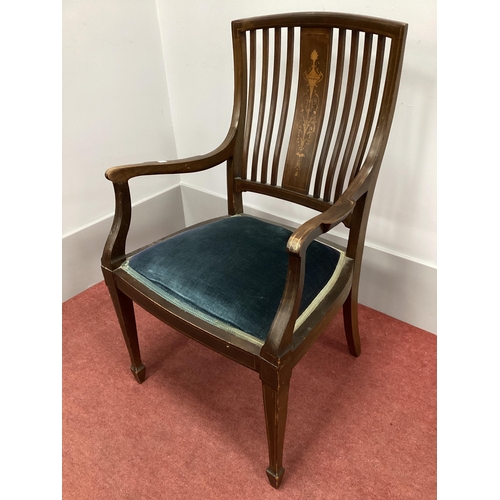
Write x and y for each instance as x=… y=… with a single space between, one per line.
x=369 y=24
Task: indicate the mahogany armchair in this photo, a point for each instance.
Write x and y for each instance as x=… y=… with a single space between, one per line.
x=314 y=98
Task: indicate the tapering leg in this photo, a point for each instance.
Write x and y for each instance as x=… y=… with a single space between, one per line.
x=124 y=308
x=351 y=323
x=275 y=408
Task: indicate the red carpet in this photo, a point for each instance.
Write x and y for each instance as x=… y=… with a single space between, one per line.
x=360 y=428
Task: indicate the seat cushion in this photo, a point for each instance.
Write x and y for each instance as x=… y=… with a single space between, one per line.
x=231 y=272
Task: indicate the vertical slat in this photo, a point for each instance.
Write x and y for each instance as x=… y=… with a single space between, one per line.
x=360 y=101
x=262 y=105
x=285 y=106
x=250 y=106
x=345 y=115
x=339 y=73
x=370 y=115
x=274 y=98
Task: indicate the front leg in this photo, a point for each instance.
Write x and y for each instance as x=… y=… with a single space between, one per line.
x=124 y=308
x=275 y=408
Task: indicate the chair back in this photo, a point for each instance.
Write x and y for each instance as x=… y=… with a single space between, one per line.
x=315 y=94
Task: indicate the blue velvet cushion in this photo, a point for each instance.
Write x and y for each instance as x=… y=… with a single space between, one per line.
x=231 y=272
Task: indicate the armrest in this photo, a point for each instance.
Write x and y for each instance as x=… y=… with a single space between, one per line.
x=279 y=340
x=114 y=249
x=280 y=336
x=193 y=164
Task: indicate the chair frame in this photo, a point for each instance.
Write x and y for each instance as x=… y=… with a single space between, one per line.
x=284 y=347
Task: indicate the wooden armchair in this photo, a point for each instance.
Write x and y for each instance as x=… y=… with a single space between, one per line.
x=314 y=99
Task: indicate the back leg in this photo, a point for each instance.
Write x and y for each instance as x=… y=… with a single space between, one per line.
x=124 y=308
x=351 y=322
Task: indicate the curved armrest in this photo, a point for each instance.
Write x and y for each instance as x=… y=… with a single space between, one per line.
x=193 y=164
x=114 y=249
x=322 y=223
x=280 y=336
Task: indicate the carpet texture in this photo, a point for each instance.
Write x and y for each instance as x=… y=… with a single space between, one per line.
x=358 y=428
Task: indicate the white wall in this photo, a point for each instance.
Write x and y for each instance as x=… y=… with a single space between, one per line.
x=115 y=111
x=198 y=57
x=115 y=103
